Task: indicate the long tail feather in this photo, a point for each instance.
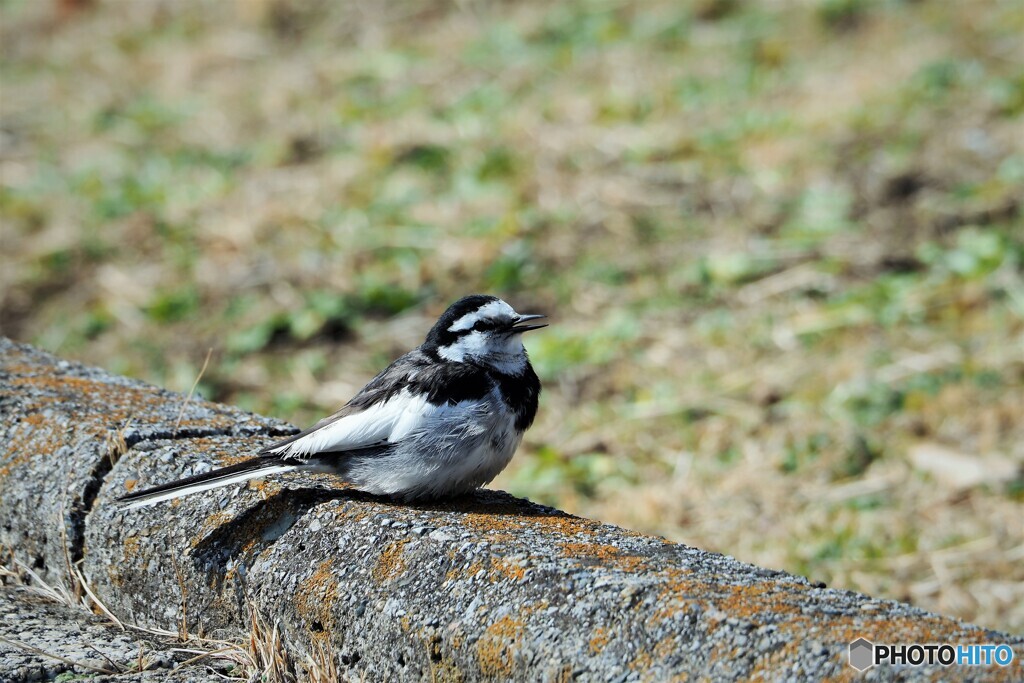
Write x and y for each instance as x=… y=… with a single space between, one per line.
x=232 y=474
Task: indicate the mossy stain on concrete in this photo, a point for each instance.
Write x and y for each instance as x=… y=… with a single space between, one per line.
x=315 y=598
x=391 y=562
x=498 y=646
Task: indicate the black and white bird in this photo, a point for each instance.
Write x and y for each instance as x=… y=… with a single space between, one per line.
x=440 y=421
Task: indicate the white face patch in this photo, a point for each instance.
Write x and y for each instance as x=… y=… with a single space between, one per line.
x=502 y=352
x=472 y=345
x=492 y=309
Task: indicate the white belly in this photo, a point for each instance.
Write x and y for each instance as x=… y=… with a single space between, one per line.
x=458 y=449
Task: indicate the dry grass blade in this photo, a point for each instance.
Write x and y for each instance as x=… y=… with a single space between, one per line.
x=117 y=445
x=261 y=657
x=95 y=600
x=155 y=632
x=266 y=647
x=184 y=406
x=50 y=655
x=183 y=634
x=320 y=664
x=75 y=593
x=110 y=661
x=231 y=653
x=57 y=593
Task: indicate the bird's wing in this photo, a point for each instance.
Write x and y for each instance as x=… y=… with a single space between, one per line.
x=369 y=419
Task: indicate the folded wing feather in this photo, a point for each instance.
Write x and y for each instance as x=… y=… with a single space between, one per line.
x=379 y=423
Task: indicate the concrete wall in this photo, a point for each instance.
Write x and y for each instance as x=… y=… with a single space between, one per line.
x=485 y=588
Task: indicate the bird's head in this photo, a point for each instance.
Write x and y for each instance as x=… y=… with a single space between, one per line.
x=482 y=329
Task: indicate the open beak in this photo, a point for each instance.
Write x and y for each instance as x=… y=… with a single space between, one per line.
x=518 y=326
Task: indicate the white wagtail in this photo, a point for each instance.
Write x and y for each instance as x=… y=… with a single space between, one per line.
x=440 y=421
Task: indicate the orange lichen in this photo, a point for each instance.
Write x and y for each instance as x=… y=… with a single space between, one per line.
x=606 y=555
x=114 y=403
x=665 y=647
x=315 y=597
x=101 y=408
x=131 y=546
x=264 y=487
x=642 y=661
x=21 y=369
x=391 y=562
x=497 y=647
x=472 y=570
x=442 y=669
x=352 y=513
x=129 y=550
x=565 y=674
x=21 y=447
x=446 y=671
x=507 y=569
x=753 y=602
x=513 y=523
x=600 y=638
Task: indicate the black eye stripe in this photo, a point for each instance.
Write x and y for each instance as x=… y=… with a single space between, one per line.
x=482 y=325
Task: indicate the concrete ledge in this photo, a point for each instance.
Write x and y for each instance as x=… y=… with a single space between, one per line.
x=484 y=588
x=43 y=639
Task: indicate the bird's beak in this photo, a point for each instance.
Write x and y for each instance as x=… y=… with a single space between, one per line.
x=519 y=327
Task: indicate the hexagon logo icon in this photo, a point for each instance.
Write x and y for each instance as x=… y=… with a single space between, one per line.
x=862 y=654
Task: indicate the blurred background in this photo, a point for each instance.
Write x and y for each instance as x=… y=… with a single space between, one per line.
x=781 y=244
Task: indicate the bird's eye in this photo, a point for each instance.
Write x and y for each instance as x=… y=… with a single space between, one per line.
x=482 y=325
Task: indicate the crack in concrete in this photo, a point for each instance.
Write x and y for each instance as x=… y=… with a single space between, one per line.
x=80 y=509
